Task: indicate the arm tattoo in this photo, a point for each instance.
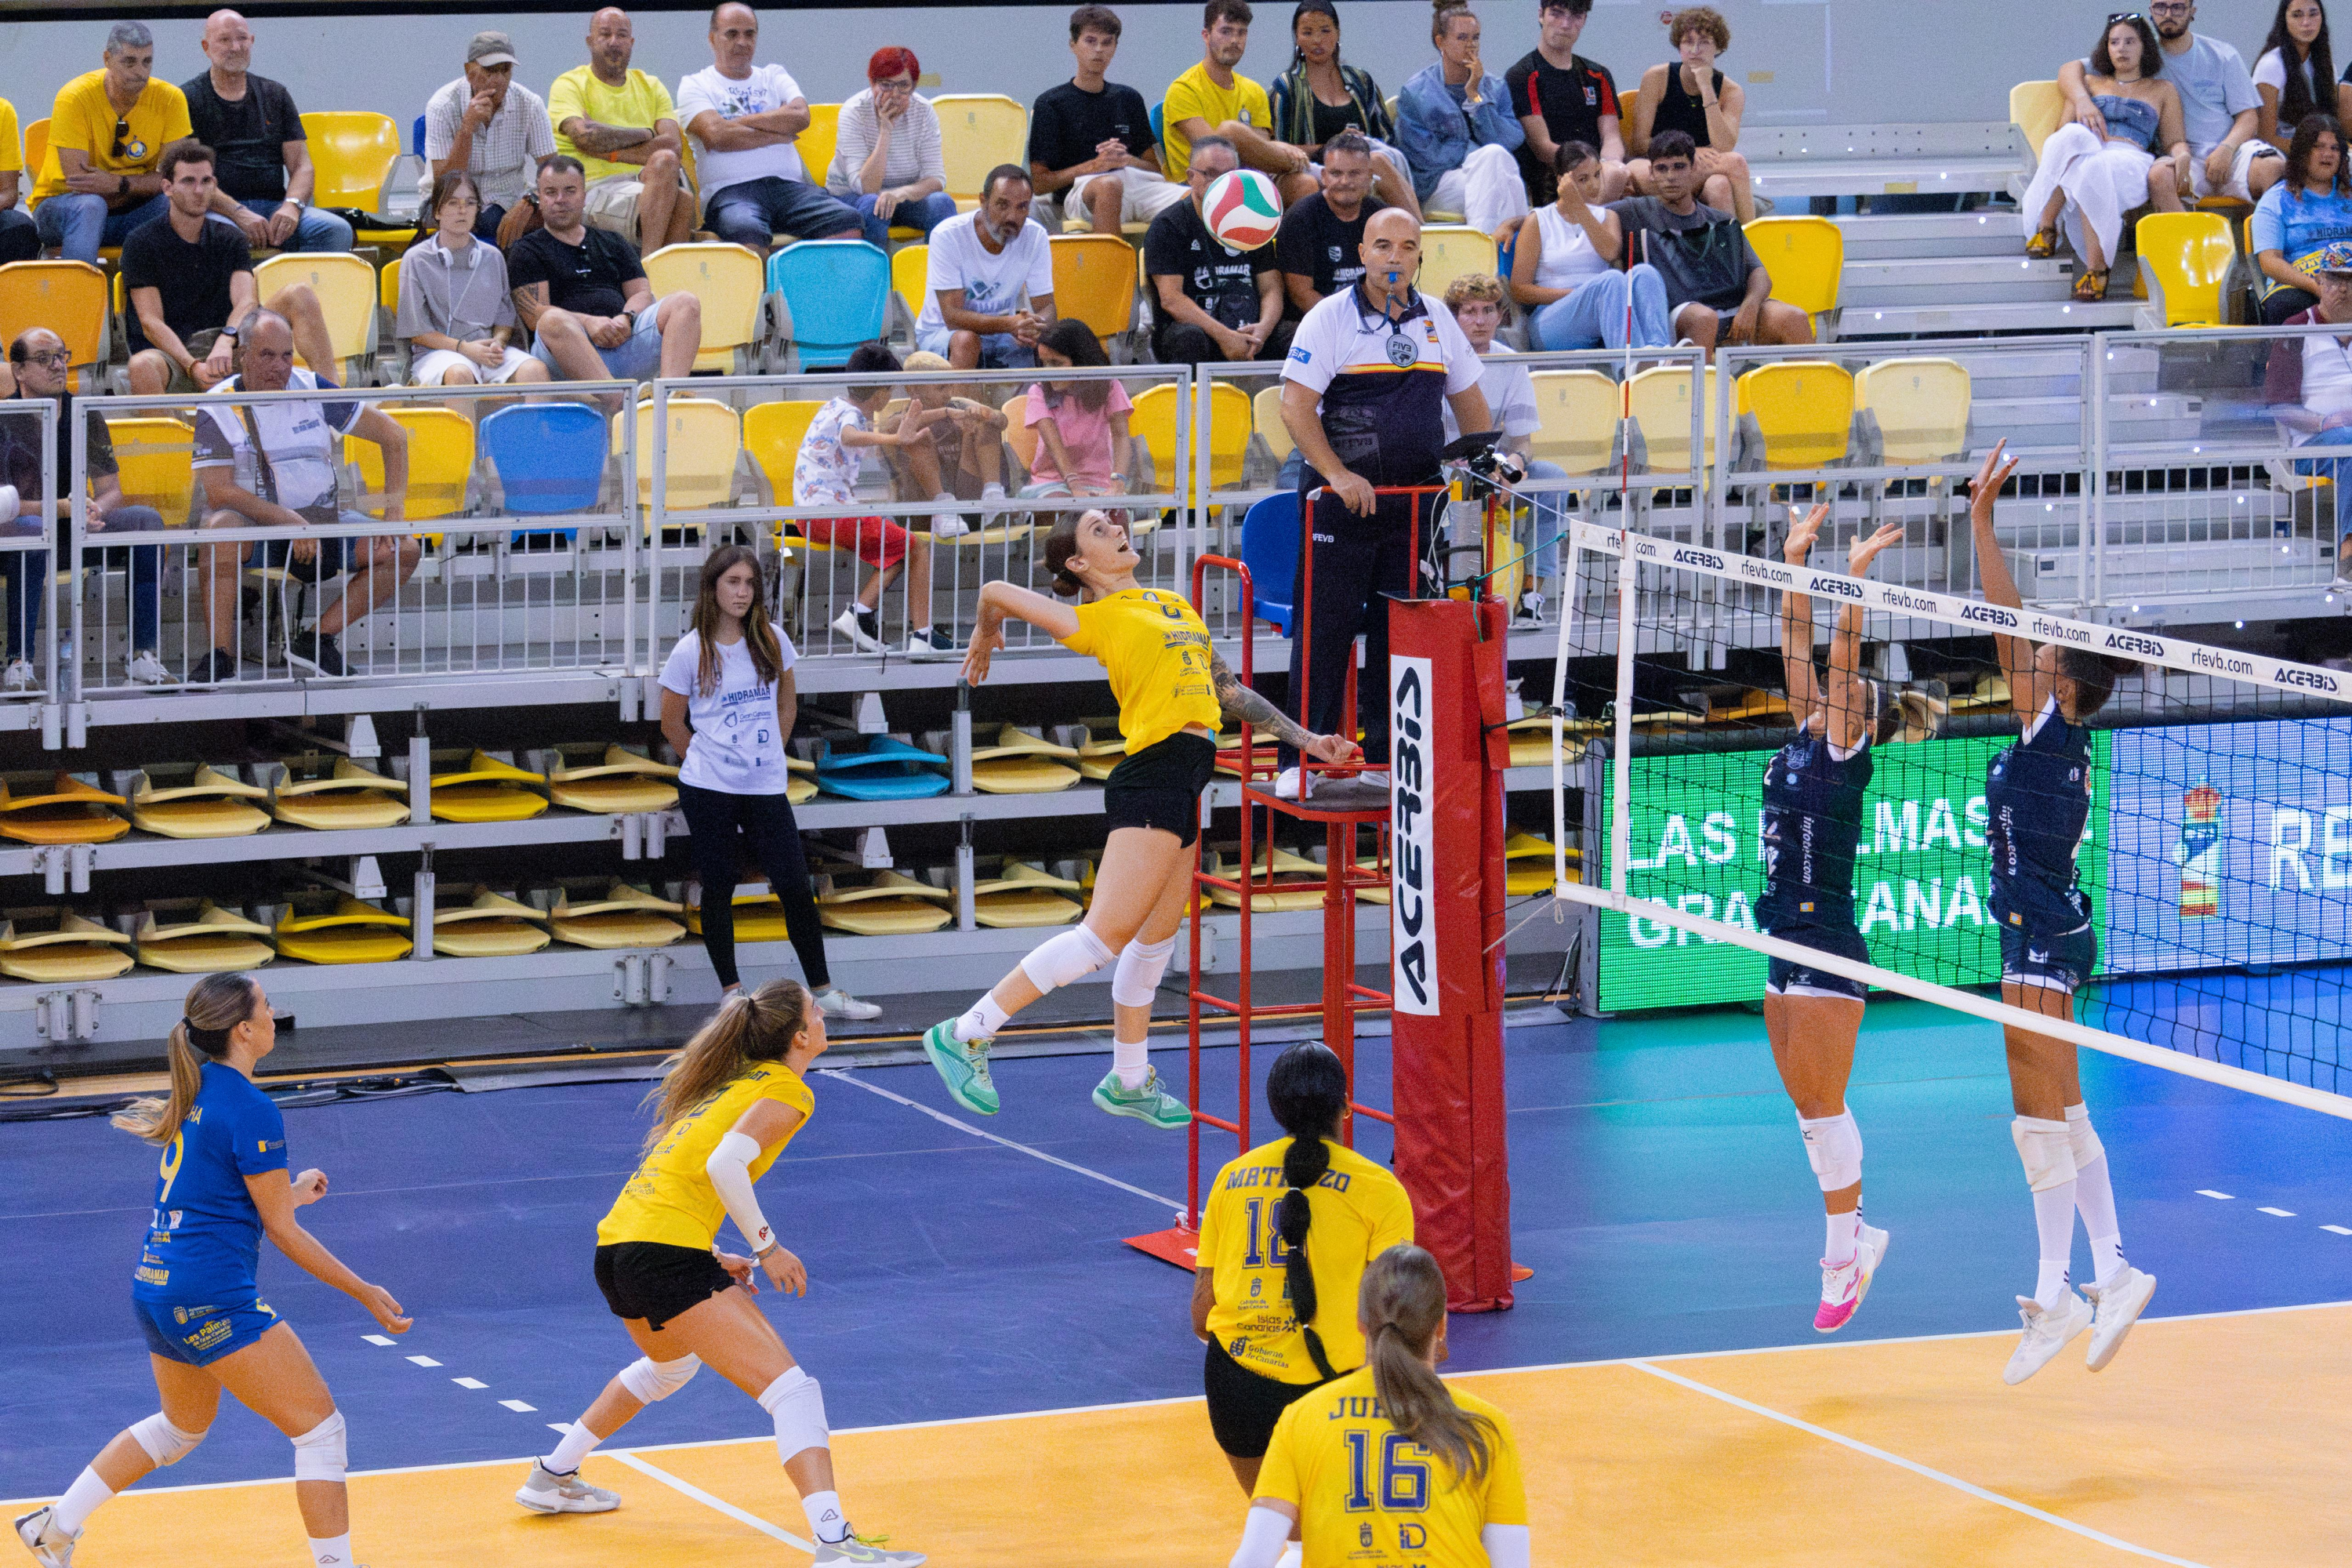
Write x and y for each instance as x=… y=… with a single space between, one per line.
x=1246 y=706
x=530 y=301
x=596 y=138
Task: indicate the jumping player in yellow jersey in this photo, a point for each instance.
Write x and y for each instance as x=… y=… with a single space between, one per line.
x=732 y=1099
x=1285 y=1237
x=1172 y=690
x=1388 y=1467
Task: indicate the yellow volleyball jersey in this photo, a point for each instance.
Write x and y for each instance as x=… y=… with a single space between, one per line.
x=671 y=1198
x=1368 y=1497
x=1357 y=1211
x=1157 y=652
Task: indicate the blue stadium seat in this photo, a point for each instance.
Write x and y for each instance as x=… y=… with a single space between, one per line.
x=835 y=294
x=416 y=137
x=550 y=459
x=1270 y=551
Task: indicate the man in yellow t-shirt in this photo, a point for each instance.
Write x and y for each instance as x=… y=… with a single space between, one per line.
x=108 y=129
x=19 y=241
x=622 y=126
x=1215 y=99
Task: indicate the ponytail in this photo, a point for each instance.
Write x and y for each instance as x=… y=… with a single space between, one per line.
x=215 y=1006
x=1403 y=1305
x=750 y=1027
x=1308 y=1092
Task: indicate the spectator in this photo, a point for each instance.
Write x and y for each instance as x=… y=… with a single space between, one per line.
x=1212 y=98
x=886 y=161
x=1319 y=246
x=264 y=171
x=1692 y=97
x=983 y=265
x=1456 y=126
x=824 y=473
x=2291 y=95
x=20 y=240
x=2220 y=109
x=620 y=123
x=43 y=368
x=189 y=278
x=491 y=127
x=1564 y=269
x=584 y=295
x=2308 y=385
x=2090 y=183
x=275 y=465
x=1090 y=140
x=1480 y=308
x=107 y=131
x=1084 y=447
x=1321 y=96
x=954 y=449
x=1716 y=286
x=456 y=312
x=2298 y=218
x=1561 y=97
x=745 y=119
x=1211 y=303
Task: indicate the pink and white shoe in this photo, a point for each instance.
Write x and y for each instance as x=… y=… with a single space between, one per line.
x=1845 y=1286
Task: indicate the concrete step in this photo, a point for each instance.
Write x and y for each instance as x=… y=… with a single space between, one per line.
x=1814 y=175
x=2177 y=573
x=2059 y=421
x=1928 y=236
x=1937 y=280
x=1962 y=318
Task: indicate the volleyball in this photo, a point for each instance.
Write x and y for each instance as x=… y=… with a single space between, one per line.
x=1242 y=208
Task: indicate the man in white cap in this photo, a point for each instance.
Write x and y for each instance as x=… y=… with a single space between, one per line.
x=492 y=127
x=2308 y=385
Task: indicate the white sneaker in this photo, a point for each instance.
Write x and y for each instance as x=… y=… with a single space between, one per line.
x=145 y=669
x=2047 y=1331
x=848 y=625
x=1845 y=1286
x=545 y=1491
x=835 y=1002
x=2117 y=1304
x=50 y=1547
x=19 y=676
x=932 y=643
x=1285 y=785
x=948 y=525
x=863 y=1554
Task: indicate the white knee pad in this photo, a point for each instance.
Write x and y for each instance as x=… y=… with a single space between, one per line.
x=649 y=1380
x=1135 y=982
x=319 y=1453
x=2088 y=1150
x=165 y=1444
x=797 y=1404
x=1834 y=1148
x=2046 y=1150
x=1073 y=956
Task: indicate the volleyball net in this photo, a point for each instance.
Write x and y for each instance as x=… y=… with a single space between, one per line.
x=2217 y=857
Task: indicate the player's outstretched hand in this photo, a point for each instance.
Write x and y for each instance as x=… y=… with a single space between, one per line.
x=1804 y=527
x=384 y=1309
x=309 y=1187
x=739 y=1268
x=1333 y=748
x=1862 y=551
x=1990 y=478
x=985 y=640
x=786 y=1272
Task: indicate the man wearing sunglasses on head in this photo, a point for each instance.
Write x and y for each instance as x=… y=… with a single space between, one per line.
x=2220 y=108
x=109 y=128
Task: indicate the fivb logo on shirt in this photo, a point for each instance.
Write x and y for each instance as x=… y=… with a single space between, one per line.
x=1412 y=937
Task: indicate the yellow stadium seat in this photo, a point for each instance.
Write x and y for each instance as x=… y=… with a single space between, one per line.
x=1919 y=409
x=1802 y=411
x=1452 y=251
x=353 y=151
x=1806 y=256
x=347 y=290
x=67 y=297
x=909 y=266
x=1579 y=409
x=153 y=456
x=440 y=461
x=1658 y=401
x=1018 y=431
x=729 y=281
x=978 y=131
x=1267 y=405
x=1153 y=423
x=2185 y=258
x=1094 y=282
x=816 y=143
x=705 y=439
x=2036 y=108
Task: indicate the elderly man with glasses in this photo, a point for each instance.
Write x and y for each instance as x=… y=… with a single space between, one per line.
x=107 y=131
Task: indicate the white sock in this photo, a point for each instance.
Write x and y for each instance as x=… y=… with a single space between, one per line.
x=1844 y=1236
x=335 y=1552
x=825 y=1518
x=81 y=1500
x=2053 y=1216
x=2094 y=1199
x=1131 y=1059
x=577 y=1444
x=982 y=1021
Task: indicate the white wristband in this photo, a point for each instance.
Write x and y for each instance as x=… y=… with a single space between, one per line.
x=729 y=1170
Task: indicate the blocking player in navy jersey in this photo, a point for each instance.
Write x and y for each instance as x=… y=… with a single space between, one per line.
x=221 y=1187
x=1813 y=789
x=2038 y=797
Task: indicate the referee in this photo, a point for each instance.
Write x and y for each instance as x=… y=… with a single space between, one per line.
x=1369 y=372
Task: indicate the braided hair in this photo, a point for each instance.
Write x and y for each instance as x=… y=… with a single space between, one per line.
x=1308 y=1092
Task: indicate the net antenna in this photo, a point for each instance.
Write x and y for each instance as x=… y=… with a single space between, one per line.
x=2164 y=879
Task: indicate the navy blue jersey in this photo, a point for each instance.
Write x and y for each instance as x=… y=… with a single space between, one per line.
x=2038 y=793
x=1812 y=823
x=206 y=1239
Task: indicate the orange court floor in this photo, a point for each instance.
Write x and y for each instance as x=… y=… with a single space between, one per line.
x=2221 y=1440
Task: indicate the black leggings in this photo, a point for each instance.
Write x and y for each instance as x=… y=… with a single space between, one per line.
x=712 y=818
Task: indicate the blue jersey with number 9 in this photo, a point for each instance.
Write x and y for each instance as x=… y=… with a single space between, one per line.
x=205 y=1242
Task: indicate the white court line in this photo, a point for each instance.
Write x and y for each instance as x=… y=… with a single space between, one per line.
x=718 y=1503
x=423 y=1359
x=2282 y=1213
x=469 y=1383
x=848 y=1076
x=518 y=1406
x=2337 y=1229
x=1917 y=1468
x=380 y=1340
x=2210 y=1193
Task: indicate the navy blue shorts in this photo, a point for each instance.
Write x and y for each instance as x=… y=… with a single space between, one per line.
x=2063 y=963
x=200 y=1335
x=1786 y=979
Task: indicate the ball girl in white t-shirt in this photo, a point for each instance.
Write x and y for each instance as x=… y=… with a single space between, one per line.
x=727 y=706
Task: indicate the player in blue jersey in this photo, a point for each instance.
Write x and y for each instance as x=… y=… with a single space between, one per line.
x=1813 y=789
x=223 y=1186
x=2038 y=798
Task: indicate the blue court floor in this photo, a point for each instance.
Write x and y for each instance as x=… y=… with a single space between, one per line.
x=1659 y=1191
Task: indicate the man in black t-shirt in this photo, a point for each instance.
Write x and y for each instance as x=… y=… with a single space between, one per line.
x=264 y=167
x=584 y=293
x=1210 y=303
x=1715 y=283
x=1320 y=244
x=1560 y=97
x=1090 y=140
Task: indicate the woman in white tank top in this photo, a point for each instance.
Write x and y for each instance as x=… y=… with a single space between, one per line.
x=1564 y=271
